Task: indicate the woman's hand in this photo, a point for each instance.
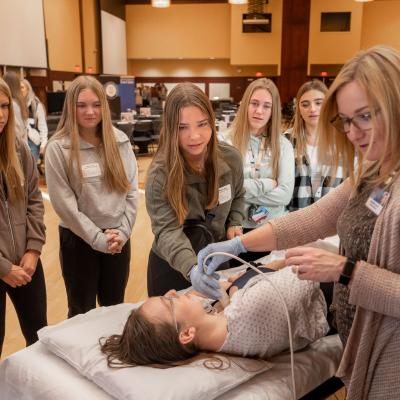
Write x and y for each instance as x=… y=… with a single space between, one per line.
x=233 y=231
x=114 y=241
x=29 y=261
x=233 y=246
x=17 y=277
x=315 y=264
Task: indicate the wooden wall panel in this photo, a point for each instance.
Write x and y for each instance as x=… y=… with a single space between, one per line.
x=294 y=56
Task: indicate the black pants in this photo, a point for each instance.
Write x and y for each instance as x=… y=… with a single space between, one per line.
x=89 y=274
x=30 y=304
x=161 y=277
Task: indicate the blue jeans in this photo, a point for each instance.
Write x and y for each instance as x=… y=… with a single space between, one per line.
x=35 y=149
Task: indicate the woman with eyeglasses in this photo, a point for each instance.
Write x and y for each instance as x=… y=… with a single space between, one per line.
x=172 y=329
x=312 y=179
x=359 y=117
x=267 y=155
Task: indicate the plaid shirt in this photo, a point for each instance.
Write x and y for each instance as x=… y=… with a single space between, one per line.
x=303 y=195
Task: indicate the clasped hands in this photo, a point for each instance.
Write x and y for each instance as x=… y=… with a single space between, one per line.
x=21 y=274
x=114 y=241
x=310 y=263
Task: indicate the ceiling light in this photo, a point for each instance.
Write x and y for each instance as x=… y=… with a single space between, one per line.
x=160 y=3
x=237 y=1
x=363 y=1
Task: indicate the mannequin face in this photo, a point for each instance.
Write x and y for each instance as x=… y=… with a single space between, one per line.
x=352 y=102
x=4 y=110
x=259 y=110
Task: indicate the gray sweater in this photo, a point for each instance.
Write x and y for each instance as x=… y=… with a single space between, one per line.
x=87 y=207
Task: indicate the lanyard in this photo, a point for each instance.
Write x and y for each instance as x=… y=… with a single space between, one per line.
x=255 y=164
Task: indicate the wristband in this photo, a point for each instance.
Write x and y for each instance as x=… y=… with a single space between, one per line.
x=347 y=271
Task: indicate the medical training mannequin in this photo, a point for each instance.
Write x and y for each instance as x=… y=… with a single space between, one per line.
x=359 y=117
x=192 y=179
x=170 y=329
x=312 y=180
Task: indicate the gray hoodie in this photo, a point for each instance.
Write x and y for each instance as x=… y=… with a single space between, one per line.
x=86 y=206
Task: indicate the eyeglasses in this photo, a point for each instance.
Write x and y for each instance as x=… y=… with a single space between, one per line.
x=362 y=121
x=171 y=302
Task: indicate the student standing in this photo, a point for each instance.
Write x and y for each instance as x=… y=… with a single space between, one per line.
x=192 y=179
x=37 y=125
x=22 y=231
x=91 y=175
x=267 y=154
x=312 y=180
x=19 y=105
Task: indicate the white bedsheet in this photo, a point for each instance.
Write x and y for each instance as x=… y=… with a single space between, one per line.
x=36 y=374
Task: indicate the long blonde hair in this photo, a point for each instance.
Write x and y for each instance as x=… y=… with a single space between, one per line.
x=240 y=129
x=299 y=133
x=184 y=95
x=10 y=164
x=114 y=171
x=377 y=71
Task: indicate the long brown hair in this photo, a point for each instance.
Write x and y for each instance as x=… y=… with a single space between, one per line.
x=377 y=71
x=240 y=129
x=157 y=345
x=299 y=133
x=114 y=171
x=184 y=95
x=145 y=343
x=10 y=165
x=14 y=83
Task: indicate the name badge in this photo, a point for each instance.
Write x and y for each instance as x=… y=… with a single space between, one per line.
x=225 y=194
x=91 y=170
x=377 y=200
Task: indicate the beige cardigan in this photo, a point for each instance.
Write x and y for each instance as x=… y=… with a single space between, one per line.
x=370 y=361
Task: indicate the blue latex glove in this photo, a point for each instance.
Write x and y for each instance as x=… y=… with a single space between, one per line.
x=203 y=283
x=233 y=246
